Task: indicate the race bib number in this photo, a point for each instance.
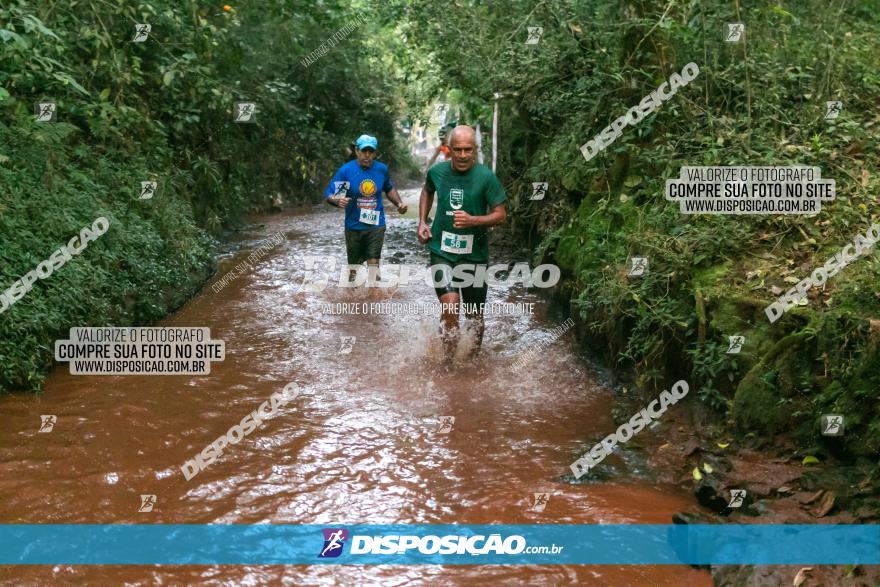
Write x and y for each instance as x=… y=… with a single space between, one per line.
x=460 y=244
x=369 y=216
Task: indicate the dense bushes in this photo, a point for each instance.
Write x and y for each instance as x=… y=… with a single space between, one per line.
x=160 y=110
x=757 y=102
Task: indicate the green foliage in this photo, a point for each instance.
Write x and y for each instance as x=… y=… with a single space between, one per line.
x=758 y=102
x=162 y=110
x=712 y=368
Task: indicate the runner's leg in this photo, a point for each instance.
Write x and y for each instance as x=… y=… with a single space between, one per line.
x=449 y=304
x=352 y=252
x=474 y=298
x=375 y=238
x=441 y=274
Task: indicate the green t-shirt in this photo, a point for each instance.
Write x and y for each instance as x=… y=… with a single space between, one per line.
x=476 y=192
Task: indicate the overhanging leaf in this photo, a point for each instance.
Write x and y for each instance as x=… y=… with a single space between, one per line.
x=67 y=80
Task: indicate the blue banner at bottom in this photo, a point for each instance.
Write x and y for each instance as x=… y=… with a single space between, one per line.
x=465 y=544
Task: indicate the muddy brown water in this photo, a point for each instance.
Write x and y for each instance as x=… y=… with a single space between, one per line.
x=357 y=446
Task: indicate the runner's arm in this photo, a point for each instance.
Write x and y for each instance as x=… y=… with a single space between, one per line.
x=338 y=200
x=434 y=157
x=426 y=200
x=465 y=220
x=334 y=201
x=394 y=197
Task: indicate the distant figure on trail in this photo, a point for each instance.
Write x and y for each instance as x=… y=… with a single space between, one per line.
x=356 y=188
x=469 y=199
x=441 y=148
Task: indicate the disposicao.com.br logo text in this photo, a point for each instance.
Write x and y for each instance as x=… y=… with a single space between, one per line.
x=449 y=544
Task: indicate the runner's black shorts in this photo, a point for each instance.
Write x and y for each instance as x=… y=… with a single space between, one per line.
x=469 y=295
x=361 y=245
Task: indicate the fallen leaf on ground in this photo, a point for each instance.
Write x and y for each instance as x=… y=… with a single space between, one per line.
x=826 y=504
x=813 y=497
x=723 y=444
x=810 y=460
x=707 y=467
x=801 y=576
x=697 y=475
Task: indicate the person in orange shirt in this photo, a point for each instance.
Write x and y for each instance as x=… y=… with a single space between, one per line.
x=441 y=148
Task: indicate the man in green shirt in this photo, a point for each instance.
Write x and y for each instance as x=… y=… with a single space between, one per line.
x=469 y=200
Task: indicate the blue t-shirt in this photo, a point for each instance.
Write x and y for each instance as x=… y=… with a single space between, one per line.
x=364 y=187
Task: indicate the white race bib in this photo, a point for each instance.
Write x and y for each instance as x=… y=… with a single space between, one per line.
x=368 y=216
x=459 y=244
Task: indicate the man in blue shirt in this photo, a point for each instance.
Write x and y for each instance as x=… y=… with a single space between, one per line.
x=356 y=187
